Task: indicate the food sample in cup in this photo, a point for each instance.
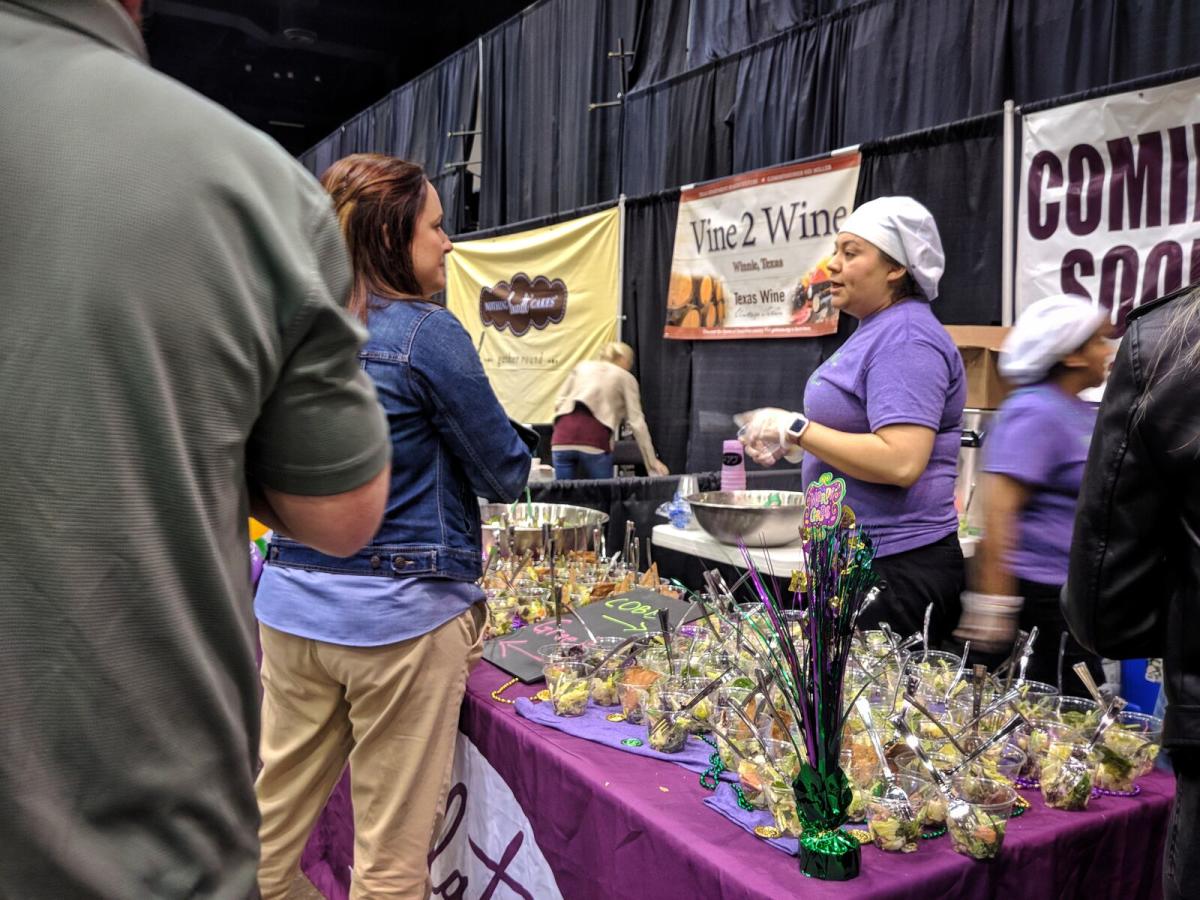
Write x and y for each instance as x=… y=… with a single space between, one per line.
x=935 y=670
x=633 y=683
x=568 y=684
x=1037 y=700
x=889 y=830
x=1035 y=738
x=981 y=834
x=666 y=728
x=1127 y=751
x=1066 y=776
x=1078 y=713
x=894 y=828
x=779 y=766
x=750 y=779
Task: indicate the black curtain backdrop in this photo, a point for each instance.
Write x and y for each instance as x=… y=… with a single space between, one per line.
x=729 y=377
x=663 y=368
x=424 y=112
x=1062 y=47
x=412 y=122
x=320 y=157
x=680 y=131
x=721 y=86
x=790 y=97
x=913 y=64
x=660 y=41
x=834 y=81
x=722 y=28
x=543 y=151
x=956 y=171
x=716 y=29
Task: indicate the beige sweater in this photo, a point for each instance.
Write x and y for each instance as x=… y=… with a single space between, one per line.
x=612 y=395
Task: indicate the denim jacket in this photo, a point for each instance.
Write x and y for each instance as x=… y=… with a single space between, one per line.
x=451 y=442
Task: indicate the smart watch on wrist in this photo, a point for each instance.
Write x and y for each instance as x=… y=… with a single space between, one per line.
x=796 y=430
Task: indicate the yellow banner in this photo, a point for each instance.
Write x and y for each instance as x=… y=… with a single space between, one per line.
x=536 y=303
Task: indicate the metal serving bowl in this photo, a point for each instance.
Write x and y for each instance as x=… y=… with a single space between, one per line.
x=572 y=526
x=730 y=516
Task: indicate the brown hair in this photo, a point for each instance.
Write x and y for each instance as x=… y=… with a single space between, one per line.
x=377 y=199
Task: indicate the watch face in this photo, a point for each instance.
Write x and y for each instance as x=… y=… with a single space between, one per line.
x=797 y=426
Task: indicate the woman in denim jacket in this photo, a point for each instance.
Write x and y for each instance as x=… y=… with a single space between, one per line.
x=365 y=659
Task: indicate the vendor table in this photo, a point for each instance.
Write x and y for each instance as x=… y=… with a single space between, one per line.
x=777 y=561
x=614 y=825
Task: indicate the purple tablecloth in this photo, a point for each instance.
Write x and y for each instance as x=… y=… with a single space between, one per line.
x=594 y=726
x=612 y=824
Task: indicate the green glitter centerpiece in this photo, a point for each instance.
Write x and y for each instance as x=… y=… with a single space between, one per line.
x=811 y=640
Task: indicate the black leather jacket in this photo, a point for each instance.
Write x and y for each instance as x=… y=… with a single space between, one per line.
x=1133 y=589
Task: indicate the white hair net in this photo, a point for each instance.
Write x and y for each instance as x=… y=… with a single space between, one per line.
x=1046 y=332
x=904 y=230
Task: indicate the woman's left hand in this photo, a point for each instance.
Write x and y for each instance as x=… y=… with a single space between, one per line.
x=764 y=434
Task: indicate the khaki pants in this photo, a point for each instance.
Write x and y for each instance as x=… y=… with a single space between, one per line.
x=392 y=712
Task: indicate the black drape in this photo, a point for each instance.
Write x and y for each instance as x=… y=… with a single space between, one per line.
x=363 y=133
x=680 y=131
x=722 y=28
x=913 y=64
x=543 y=151
x=956 y=172
x=729 y=377
x=319 y=157
x=832 y=81
x=790 y=95
x=424 y=111
x=1062 y=47
x=1154 y=36
x=660 y=41
x=663 y=367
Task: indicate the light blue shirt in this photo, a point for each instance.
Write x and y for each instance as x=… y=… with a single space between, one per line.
x=358 y=610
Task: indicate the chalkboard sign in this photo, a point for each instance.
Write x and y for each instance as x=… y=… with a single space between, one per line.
x=624 y=615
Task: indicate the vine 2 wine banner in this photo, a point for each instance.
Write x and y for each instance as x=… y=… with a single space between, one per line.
x=751 y=252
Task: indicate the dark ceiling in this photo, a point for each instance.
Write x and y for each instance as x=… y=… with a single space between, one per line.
x=299 y=68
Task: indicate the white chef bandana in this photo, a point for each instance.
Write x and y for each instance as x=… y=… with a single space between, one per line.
x=1046 y=332
x=904 y=230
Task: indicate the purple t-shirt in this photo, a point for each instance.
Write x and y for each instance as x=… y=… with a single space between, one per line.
x=900 y=367
x=1040 y=438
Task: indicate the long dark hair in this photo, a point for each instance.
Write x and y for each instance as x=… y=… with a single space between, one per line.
x=377 y=199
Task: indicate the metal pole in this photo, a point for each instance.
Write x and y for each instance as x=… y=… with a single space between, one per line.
x=620 y=266
x=1007 y=263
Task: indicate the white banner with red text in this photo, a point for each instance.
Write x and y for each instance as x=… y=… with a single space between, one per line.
x=1110 y=198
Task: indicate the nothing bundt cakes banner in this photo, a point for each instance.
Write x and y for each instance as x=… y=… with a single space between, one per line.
x=536 y=303
x=751 y=250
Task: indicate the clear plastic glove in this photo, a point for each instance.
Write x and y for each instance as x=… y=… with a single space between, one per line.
x=989 y=621
x=764 y=433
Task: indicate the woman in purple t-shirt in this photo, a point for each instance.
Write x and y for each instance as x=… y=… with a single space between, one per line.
x=1033 y=458
x=885 y=412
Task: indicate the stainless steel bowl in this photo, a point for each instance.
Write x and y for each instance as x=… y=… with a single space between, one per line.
x=730 y=516
x=572 y=526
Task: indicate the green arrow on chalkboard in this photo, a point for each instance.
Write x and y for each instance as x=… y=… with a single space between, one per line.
x=640 y=626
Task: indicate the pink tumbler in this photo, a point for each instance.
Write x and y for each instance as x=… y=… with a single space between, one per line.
x=733 y=467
